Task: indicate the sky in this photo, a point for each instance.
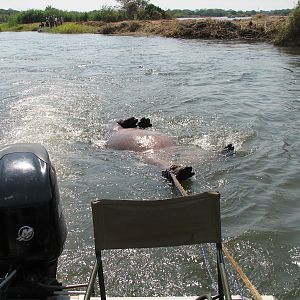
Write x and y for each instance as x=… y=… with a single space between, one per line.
x=88 y=5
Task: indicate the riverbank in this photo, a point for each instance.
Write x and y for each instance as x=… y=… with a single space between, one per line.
x=259 y=28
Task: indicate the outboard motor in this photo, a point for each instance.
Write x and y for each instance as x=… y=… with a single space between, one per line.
x=32 y=225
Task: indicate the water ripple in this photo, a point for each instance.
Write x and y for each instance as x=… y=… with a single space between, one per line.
x=65 y=92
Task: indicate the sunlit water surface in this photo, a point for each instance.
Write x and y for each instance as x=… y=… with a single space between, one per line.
x=66 y=91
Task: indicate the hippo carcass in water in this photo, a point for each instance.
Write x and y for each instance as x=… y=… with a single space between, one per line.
x=126 y=136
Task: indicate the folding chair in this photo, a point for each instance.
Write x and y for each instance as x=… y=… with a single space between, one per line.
x=123 y=224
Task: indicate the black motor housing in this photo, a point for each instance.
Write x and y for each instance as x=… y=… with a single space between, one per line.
x=33 y=229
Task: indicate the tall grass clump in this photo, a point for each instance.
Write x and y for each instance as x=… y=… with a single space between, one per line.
x=289 y=34
x=73 y=28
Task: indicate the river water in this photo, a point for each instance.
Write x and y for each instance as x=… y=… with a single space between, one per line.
x=66 y=91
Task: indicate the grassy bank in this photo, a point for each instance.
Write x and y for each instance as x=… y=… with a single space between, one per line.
x=19 y=27
x=259 y=28
x=65 y=28
x=74 y=28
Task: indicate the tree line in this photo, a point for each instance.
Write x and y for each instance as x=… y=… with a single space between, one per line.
x=5 y=14
x=184 y=13
x=128 y=10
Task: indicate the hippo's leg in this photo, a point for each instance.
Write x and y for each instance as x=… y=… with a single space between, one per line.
x=128 y=123
x=228 y=150
x=181 y=173
x=144 y=123
x=133 y=123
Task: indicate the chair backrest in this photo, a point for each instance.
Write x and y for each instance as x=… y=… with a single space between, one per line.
x=120 y=224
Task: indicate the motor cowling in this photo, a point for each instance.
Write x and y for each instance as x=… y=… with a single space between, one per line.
x=32 y=225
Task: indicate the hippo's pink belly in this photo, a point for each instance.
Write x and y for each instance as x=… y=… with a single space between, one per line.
x=133 y=139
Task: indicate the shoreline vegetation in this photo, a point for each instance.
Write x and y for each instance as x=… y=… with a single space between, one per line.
x=140 y=18
x=258 y=28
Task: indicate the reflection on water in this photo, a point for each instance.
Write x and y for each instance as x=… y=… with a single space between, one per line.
x=66 y=91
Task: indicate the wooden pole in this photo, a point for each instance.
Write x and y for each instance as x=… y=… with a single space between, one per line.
x=178 y=185
x=245 y=279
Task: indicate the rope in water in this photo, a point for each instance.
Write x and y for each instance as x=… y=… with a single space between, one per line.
x=235 y=265
x=208 y=267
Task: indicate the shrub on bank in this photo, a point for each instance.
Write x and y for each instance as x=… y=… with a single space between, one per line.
x=289 y=35
x=107 y=14
x=120 y=28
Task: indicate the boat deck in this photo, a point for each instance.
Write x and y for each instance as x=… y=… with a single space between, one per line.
x=81 y=297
